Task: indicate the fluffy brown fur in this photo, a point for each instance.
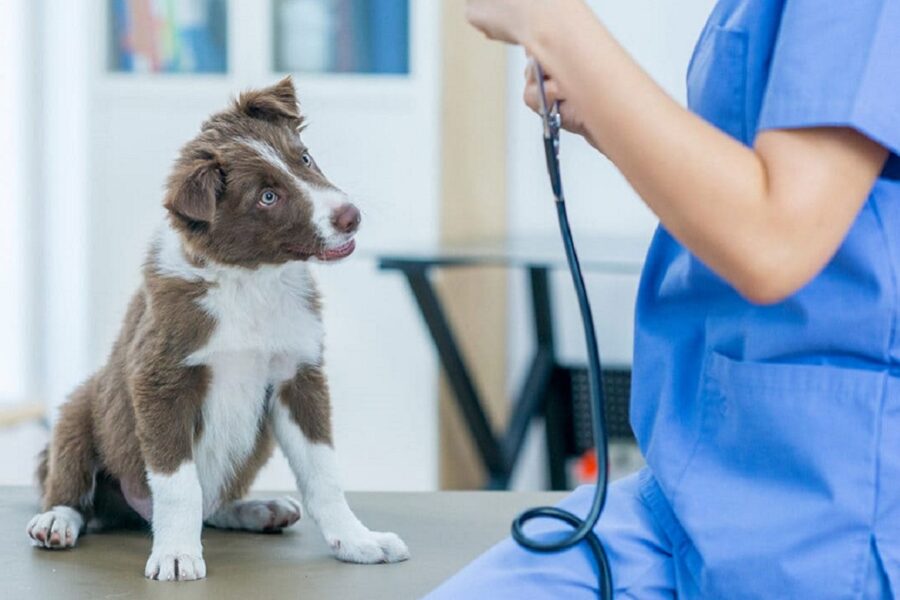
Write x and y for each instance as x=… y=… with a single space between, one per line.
x=143 y=408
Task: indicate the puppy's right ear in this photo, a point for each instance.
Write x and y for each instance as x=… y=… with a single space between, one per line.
x=194 y=189
x=272 y=103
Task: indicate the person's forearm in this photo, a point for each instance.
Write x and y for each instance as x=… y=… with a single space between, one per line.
x=710 y=191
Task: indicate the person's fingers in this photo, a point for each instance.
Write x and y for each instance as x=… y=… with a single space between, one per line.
x=529 y=72
x=530 y=95
x=551 y=90
x=569 y=119
x=532 y=92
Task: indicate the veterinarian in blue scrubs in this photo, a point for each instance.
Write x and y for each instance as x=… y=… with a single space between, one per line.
x=766 y=375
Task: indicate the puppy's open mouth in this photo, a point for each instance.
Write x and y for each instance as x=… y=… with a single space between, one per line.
x=324 y=254
x=342 y=251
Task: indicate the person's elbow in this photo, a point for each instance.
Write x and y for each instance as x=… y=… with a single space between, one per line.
x=766 y=292
x=767 y=278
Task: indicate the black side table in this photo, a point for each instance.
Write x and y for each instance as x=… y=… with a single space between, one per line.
x=542 y=391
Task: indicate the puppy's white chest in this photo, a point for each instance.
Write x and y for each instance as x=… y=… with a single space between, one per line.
x=267 y=311
x=265 y=329
x=233 y=414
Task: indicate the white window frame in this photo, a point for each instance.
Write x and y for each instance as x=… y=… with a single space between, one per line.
x=66 y=51
x=16 y=357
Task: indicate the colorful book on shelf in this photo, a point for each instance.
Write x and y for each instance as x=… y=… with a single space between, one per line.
x=121 y=36
x=170 y=36
x=345 y=53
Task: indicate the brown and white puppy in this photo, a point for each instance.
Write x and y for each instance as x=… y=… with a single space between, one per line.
x=220 y=352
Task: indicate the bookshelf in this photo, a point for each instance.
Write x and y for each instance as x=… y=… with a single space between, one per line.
x=198 y=37
x=258 y=48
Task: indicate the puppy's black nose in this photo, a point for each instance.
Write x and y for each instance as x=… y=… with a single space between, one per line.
x=346 y=218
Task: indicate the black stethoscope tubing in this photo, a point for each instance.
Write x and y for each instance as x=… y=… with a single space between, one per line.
x=582 y=529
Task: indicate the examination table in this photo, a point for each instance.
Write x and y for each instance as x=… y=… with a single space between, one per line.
x=444 y=531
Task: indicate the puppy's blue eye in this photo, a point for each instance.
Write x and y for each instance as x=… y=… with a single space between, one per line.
x=307 y=159
x=268 y=198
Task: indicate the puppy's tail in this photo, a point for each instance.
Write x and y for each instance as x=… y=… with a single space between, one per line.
x=42 y=470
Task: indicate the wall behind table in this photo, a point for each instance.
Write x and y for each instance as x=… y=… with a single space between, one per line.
x=661 y=37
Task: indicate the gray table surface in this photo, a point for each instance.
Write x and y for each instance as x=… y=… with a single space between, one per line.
x=607 y=254
x=444 y=531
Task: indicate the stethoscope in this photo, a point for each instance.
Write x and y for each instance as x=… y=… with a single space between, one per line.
x=583 y=529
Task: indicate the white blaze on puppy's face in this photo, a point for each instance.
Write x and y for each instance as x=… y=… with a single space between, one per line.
x=324 y=200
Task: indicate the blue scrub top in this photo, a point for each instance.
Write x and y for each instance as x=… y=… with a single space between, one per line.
x=773 y=432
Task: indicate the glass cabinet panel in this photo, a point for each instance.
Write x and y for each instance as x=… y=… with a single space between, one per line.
x=341 y=36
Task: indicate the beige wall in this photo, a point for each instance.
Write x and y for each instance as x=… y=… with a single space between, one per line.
x=473 y=205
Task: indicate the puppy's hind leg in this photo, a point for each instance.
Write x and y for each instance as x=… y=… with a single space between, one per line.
x=257 y=515
x=67 y=475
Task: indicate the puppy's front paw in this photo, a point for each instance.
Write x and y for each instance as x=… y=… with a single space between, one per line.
x=57 y=529
x=175 y=566
x=369 y=547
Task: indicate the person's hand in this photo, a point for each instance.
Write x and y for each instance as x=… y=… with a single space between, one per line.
x=571 y=119
x=508 y=21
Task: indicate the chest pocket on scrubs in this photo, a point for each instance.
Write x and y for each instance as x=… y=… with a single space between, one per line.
x=772 y=460
x=717 y=80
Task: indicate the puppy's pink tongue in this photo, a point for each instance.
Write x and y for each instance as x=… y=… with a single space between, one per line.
x=338 y=253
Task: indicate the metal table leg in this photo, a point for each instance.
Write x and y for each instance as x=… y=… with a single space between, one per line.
x=458 y=374
x=553 y=391
x=539 y=393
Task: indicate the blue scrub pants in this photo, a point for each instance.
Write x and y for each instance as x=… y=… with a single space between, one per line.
x=640 y=554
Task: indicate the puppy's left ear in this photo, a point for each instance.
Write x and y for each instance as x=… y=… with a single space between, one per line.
x=194 y=189
x=275 y=102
